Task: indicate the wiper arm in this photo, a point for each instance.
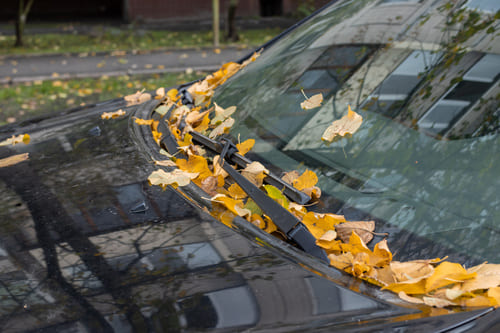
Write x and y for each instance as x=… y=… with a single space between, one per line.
x=286 y=221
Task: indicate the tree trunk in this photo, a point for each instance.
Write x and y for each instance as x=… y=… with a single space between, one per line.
x=232 y=32
x=22 y=14
x=216 y=21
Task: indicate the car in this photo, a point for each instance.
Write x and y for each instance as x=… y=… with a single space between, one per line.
x=90 y=243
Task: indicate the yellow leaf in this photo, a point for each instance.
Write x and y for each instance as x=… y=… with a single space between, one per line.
x=203 y=126
x=410 y=299
x=222 y=114
x=245 y=146
x=195 y=164
x=160 y=92
x=416 y=286
x=140 y=121
x=174 y=178
x=276 y=195
x=137 y=98
x=173 y=94
x=255 y=168
x=236 y=192
x=494 y=293
x=222 y=128
x=113 y=115
x=436 y=302
x=209 y=185
x=364 y=230
x=348 y=124
x=413 y=271
x=166 y=163
x=318 y=224
x=15 y=139
x=235 y=206
x=488 y=276
x=12 y=160
x=289 y=177
x=194 y=118
x=307 y=180
x=479 y=301
x=381 y=250
x=447 y=273
x=312 y=102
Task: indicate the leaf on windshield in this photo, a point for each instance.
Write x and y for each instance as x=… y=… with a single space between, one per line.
x=13 y=160
x=113 y=115
x=222 y=114
x=16 y=139
x=311 y=102
x=174 y=178
x=347 y=125
x=224 y=127
x=245 y=146
x=364 y=229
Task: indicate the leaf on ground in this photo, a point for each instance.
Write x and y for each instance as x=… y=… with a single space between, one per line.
x=348 y=124
x=13 y=160
x=16 y=139
x=113 y=115
x=174 y=178
x=312 y=102
x=363 y=228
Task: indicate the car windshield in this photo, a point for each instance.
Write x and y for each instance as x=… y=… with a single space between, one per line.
x=425 y=78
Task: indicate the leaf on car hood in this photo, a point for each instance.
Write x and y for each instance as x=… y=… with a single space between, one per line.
x=13 y=160
x=113 y=115
x=15 y=139
x=174 y=178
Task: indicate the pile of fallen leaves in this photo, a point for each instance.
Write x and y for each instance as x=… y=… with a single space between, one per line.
x=435 y=282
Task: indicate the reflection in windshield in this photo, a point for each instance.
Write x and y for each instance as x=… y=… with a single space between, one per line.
x=424 y=163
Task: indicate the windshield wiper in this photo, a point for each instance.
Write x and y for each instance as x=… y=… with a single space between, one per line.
x=290 y=225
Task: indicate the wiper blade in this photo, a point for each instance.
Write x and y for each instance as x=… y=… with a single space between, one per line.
x=290 y=225
x=241 y=161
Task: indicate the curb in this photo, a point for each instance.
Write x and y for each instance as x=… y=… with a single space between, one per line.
x=22 y=79
x=121 y=53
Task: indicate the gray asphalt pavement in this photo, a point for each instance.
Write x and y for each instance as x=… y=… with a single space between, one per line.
x=47 y=67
